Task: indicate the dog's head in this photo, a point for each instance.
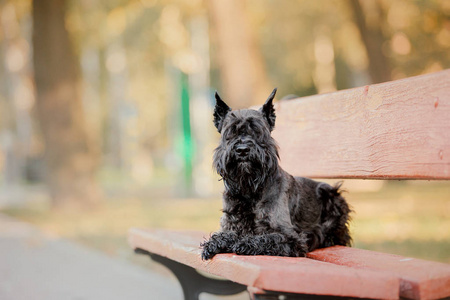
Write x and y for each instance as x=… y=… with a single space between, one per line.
x=247 y=153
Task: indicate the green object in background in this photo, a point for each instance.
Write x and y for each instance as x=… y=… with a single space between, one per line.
x=187 y=148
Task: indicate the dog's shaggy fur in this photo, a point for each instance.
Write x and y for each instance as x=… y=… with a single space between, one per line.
x=266 y=211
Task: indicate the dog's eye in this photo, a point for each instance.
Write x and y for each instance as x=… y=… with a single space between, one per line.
x=228 y=135
x=254 y=128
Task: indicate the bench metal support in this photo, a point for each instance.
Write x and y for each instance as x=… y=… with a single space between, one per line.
x=194 y=283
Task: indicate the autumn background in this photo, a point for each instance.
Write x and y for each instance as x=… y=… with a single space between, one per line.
x=106 y=107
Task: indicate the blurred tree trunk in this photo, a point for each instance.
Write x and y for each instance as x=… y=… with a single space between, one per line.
x=242 y=67
x=373 y=39
x=71 y=158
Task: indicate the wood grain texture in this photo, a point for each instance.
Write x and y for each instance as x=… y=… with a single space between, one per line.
x=398 y=130
x=284 y=274
x=419 y=279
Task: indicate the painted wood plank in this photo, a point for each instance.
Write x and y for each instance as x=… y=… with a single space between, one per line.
x=419 y=279
x=398 y=129
x=285 y=274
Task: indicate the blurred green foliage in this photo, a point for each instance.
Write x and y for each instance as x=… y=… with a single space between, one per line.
x=131 y=54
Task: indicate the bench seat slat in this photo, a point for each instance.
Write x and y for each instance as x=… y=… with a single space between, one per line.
x=392 y=130
x=419 y=279
x=284 y=274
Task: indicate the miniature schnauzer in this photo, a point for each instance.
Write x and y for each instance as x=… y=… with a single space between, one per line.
x=267 y=211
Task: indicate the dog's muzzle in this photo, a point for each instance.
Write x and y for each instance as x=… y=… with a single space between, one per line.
x=242 y=149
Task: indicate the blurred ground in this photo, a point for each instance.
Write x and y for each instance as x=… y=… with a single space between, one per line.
x=410 y=218
x=34 y=265
x=39 y=266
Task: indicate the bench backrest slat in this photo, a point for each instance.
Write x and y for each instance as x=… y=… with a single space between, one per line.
x=398 y=130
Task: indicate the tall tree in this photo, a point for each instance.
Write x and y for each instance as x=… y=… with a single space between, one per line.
x=71 y=156
x=373 y=39
x=242 y=67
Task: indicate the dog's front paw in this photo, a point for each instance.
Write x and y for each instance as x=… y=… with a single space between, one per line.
x=219 y=242
x=210 y=249
x=273 y=244
x=246 y=246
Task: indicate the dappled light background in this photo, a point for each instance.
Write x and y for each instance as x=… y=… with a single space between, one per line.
x=107 y=123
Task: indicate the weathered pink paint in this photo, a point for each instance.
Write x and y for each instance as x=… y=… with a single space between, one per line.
x=285 y=274
x=419 y=279
x=397 y=129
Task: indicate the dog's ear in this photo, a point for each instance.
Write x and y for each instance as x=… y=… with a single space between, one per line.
x=268 y=110
x=220 y=111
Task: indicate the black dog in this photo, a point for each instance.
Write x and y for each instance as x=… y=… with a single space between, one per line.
x=266 y=211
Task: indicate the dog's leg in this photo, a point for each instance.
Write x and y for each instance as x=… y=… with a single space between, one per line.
x=275 y=244
x=219 y=242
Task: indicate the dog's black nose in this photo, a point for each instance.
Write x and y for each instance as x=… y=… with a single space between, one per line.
x=242 y=149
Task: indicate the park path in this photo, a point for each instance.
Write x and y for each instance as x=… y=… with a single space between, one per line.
x=36 y=266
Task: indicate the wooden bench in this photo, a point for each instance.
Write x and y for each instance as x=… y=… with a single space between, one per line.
x=393 y=130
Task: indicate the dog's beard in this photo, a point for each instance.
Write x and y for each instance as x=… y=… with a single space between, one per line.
x=245 y=175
